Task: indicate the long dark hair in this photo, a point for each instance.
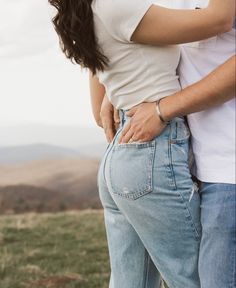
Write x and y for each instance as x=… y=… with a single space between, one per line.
x=75 y=27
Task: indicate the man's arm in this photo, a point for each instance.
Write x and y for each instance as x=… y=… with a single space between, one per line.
x=161 y=26
x=215 y=89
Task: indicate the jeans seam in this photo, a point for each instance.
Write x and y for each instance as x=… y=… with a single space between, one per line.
x=173 y=180
x=189 y=217
x=107 y=152
x=234 y=265
x=233 y=284
x=147 y=265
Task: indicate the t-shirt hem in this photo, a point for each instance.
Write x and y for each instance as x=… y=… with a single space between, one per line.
x=127 y=106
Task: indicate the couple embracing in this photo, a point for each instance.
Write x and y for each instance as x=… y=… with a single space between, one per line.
x=152 y=63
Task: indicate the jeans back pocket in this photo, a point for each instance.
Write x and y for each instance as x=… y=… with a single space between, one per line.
x=131 y=169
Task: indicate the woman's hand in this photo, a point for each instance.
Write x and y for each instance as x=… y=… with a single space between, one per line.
x=144 y=124
x=109 y=118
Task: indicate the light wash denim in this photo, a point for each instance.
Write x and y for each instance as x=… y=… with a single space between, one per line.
x=152 y=210
x=217 y=262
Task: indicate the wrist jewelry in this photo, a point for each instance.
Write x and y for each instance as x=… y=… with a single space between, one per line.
x=160 y=115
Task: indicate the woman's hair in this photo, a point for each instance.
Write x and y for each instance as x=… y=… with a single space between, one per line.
x=75 y=26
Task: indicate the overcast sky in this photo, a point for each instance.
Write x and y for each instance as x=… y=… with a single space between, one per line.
x=38 y=84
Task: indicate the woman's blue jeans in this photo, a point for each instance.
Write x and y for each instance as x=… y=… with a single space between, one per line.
x=152 y=210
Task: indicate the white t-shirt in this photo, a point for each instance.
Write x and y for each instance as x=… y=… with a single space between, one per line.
x=213 y=131
x=136 y=73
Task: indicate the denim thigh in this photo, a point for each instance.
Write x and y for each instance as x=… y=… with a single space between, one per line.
x=131 y=264
x=217 y=262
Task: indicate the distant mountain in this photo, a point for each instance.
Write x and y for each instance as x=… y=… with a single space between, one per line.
x=87 y=140
x=51 y=173
x=93 y=150
x=27 y=153
x=27 y=198
x=49 y=185
x=59 y=135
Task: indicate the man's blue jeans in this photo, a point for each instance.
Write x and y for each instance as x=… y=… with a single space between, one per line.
x=152 y=213
x=217 y=262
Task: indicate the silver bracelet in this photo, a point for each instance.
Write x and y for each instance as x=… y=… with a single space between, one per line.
x=159 y=113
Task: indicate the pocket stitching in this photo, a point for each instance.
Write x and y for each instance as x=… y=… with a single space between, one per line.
x=149 y=185
x=135 y=145
x=197 y=234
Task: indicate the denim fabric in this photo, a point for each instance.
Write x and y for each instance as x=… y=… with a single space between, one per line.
x=151 y=209
x=217 y=262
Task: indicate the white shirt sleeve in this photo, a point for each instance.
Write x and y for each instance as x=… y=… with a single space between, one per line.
x=121 y=17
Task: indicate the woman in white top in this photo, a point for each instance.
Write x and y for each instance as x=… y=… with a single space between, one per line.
x=151 y=210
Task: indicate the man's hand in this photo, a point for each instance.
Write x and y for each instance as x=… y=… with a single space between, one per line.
x=109 y=118
x=144 y=124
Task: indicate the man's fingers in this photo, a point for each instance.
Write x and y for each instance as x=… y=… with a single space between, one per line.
x=124 y=131
x=128 y=136
x=131 y=112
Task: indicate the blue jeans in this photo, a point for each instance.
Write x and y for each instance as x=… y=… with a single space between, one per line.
x=152 y=214
x=217 y=262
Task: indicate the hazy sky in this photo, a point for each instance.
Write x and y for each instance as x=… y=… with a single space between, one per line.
x=38 y=84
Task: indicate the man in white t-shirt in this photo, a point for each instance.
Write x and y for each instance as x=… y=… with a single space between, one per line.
x=207 y=76
x=213 y=140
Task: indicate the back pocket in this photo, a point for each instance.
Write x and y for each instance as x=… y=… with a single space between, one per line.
x=131 y=169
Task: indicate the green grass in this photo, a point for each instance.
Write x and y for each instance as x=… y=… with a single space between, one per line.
x=64 y=250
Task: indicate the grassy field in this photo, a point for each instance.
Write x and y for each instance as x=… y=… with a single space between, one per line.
x=64 y=250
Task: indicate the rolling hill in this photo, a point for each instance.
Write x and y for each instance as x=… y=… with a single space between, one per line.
x=49 y=185
x=27 y=153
